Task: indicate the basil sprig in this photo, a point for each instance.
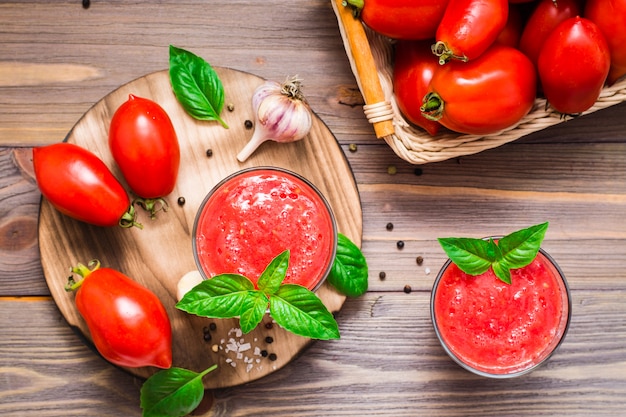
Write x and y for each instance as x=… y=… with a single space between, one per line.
x=173 y=392
x=349 y=271
x=476 y=256
x=196 y=85
x=293 y=307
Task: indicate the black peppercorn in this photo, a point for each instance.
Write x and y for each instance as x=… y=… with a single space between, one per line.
x=389 y=226
x=212 y=326
x=400 y=244
x=181 y=201
x=86 y=4
x=407 y=289
x=248 y=124
x=264 y=353
x=269 y=339
x=207 y=336
x=382 y=275
x=269 y=325
x=419 y=260
x=417 y=171
x=272 y=357
x=209 y=153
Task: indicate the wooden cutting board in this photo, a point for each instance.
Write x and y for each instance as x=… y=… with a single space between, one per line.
x=161 y=253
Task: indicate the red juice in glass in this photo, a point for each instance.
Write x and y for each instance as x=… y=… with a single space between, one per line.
x=501 y=330
x=254 y=215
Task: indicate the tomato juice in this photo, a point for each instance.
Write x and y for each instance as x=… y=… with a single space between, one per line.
x=255 y=214
x=501 y=330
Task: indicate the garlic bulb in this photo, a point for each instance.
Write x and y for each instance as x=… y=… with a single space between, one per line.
x=282 y=115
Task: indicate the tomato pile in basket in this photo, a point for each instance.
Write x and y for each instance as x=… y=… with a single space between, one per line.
x=477 y=66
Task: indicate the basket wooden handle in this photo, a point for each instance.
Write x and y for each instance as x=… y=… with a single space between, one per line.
x=377 y=110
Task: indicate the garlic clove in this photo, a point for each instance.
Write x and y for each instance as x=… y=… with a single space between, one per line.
x=187 y=282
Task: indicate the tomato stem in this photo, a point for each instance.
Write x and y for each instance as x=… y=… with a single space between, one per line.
x=83 y=271
x=432 y=106
x=128 y=219
x=445 y=53
x=152 y=205
x=357 y=6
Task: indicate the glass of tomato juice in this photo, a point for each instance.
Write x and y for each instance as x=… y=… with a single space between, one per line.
x=255 y=214
x=501 y=330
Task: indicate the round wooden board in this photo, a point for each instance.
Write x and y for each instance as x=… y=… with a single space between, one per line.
x=161 y=253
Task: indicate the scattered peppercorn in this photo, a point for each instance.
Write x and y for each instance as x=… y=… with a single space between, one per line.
x=269 y=339
x=392 y=170
x=230 y=106
x=269 y=325
x=400 y=244
x=272 y=357
x=382 y=275
x=248 y=124
x=264 y=353
x=419 y=260
x=207 y=337
x=407 y=289
x=389 y=226
x=209 y=153
x=417 y=171
x=86 y=4
x=352 y=147
x=212 y=327
x=181 y=201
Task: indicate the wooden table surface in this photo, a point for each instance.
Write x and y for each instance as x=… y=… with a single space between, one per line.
x=57 y=59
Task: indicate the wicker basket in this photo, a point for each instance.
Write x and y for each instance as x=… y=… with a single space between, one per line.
x=371 y=60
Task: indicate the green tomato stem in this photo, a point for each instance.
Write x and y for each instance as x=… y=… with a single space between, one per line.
x=128 y=219
x=83 y=271
x=357 y=6
x=432 y=106
x=152 y=205
x=445 y=53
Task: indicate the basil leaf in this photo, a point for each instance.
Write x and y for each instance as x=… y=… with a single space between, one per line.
x=472 y=256
x=349 y=271
x=223 y=296
x=196 y=85
x=274 y=274
x=300 y=311
x=502 y=271
x=521 y=247
x=173 y=392
x=253 y=311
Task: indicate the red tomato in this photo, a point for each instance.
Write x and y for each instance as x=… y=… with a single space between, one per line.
x=78 y=184
x=544 y=18
x=610 y=16
x=484 y=95
x=127 y=322
x=401 y=19
x=512 y=31
x=573 y=65
x=469 y=27
x=145 y=147
x=414 y=65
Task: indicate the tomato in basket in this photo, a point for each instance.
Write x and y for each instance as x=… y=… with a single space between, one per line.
x=414 y=66
x=401 y=19
x=610 y=16
x=543 y=19
x=482 y=96
x=573 y=65
x=468 y=28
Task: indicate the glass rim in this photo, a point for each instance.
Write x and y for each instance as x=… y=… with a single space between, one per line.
x=514 y=374
x=281 y=170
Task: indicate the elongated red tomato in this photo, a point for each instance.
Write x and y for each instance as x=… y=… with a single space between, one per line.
x=414 y=66
x=401 y=19
x=468 y=28
x=610 y=16
x=145 y=147
x=127 y=322
x=78 y=184
x=484 y=95
x=543 y=19
x=573 y=65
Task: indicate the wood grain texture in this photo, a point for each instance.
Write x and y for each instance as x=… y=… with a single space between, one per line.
x=158 y=255
x=387 y=362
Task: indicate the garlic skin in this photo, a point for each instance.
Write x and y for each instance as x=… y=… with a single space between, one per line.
x=282 y=115
x=187 y=282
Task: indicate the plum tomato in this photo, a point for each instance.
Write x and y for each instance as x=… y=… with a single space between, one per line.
x=414 y=66
x=573 y=65
x=610 y=16
x=80 y=185
x=401 y=19
x=542 y=20
x=485 y=95
x=468 y=28
x=144 y=145
x=127 y=322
